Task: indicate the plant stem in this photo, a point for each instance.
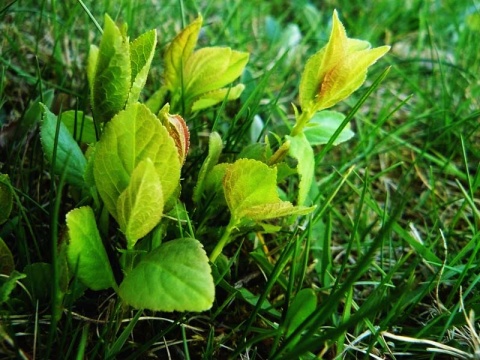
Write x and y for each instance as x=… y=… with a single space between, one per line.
x=300 y=123
x=223 y=241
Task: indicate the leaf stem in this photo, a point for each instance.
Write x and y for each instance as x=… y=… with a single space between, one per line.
x=301 y=121
x=223 y=240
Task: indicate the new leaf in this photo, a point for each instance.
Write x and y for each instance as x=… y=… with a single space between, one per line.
x=132 y=136
x=140 y=205
x=337 y=70
x=197 y=79
x=250 y=188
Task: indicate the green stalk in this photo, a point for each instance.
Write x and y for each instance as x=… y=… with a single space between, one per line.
x=224 y=240
x=300 y=123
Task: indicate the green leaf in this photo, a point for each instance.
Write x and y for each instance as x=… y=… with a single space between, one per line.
x=194 y=78
x=38 y=281
x=309 y=82
x=211 y=68
x=215 y=146
x=337 y=70
x=175 y=276
x=86 y=253
x=178 y=131
x=140 y=205
x=92 y=65
x=9 y=285
x=157 y=100
x=133 y=135
x=6 y=198
x=7 y=265
x=323 y=125
x=69 y=157
x=250 y=188
x=301 y=150
x=141 y=55
x=302 y=308
x=177 y=54
x=81 y=126
x=34 y=112
x=216 y=96
x=213 y=185
x=112 y=74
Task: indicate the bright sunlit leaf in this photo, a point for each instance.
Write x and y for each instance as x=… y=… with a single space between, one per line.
x=337 y=70
x=197 y=79
x=141 y=55
x=140 y=205
x=133 y=135
x=250 y=188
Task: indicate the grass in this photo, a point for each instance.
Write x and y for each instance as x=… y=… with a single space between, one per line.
x=392 y=249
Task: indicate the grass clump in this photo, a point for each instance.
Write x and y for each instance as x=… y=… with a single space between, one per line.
x=381 y=261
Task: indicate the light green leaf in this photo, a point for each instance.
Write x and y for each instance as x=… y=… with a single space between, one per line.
x=301 y=150
x=216 y=96
x=215 y=146
x=7 y=265
x=211 y=68
x=302 y=307
x=86 y=253
x=69 y=157
x=309 y=82
x=337 y=70
x=213 y=188
x=141 y=55
x=191 y=75
x=175 y=276
x=250 y=188
x=6 y=198
x=88 y=174
x=323 y=125
x=112 y=74
x=81 y=126
x=92 y=65
x=140 y=205
x=133 y=135
x=178 y=52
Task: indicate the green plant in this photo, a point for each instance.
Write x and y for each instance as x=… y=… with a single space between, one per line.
x=132 y=172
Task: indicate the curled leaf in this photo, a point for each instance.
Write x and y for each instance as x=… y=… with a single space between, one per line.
x=178 y=130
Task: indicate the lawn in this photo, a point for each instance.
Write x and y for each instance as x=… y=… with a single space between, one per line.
x=219 y=180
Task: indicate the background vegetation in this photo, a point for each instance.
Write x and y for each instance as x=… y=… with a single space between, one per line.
x=391 y=252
